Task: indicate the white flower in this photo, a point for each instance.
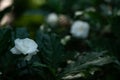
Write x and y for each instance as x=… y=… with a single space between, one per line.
x=52 y=19
x=80 y=29
x=25 y=46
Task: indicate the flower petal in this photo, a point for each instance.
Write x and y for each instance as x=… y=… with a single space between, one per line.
x=15 y=51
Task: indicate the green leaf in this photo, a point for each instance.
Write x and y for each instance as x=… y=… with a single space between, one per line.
x=87 y=62
x=5 y=37
x=38 y=64
x=52 y=52
x=55 y=5
x=20 y=33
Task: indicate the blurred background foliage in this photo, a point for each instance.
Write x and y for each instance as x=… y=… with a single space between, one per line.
x=24 y=18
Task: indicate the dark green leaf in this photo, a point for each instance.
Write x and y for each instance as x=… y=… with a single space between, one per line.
x=51 y=50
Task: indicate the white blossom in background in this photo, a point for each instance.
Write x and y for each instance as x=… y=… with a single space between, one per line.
x=80 y=29
x=25 y=46
x=70 y=62
x=52 y=19
x=5 y=3
x=7 y=19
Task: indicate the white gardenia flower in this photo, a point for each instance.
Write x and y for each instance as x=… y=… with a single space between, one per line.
x=25 y=46
x=52 y=19
x=80 y=29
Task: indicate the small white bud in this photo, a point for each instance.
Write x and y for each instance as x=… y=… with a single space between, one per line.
x=42 y=27
x=52 y=19
x=80 y=29
x=70 y=62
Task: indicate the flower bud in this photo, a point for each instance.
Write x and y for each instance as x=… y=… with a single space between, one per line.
x=52 y=19
x=80 y=29
x=64 y=21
